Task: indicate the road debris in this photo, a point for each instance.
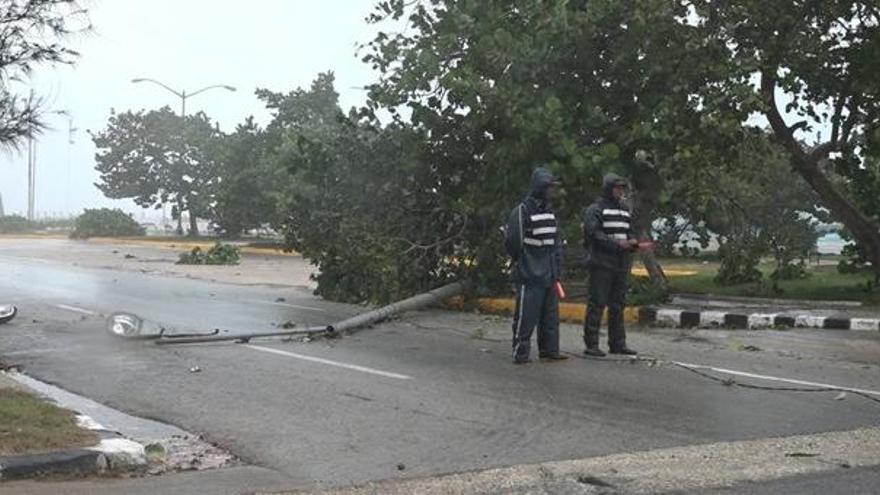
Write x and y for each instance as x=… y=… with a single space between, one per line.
x=802 y=454
x=185 y=453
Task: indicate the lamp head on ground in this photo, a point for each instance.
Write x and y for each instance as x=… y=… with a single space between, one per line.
x=7 y=312
x=124 y=325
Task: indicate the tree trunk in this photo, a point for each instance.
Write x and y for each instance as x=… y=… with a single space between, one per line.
x=865 y=232
x=808 y=164
x=647 y=184
x=193 y=224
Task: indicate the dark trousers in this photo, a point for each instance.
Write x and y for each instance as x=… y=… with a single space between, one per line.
x=607 y=289
x=536 y=306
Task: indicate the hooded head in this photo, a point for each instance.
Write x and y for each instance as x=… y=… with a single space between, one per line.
x=542 y=181
x=609 y=182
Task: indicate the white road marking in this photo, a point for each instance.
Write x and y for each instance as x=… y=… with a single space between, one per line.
x=30 y=352
x=76 y=310
x=776 y=378
x=328 y=362
x=287 y=305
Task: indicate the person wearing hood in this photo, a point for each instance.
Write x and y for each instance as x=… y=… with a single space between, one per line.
x=532 y=240
x=609 y=240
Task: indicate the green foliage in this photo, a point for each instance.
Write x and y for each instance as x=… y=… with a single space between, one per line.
x=105 y=222
x=791 y=271
x=33 y=33
x=643 y=293
x=760 y=208
x=586 y=87
x=15 y=224
x=852 y=260
x=244 y=193
x=362 y=204
x=156 y=158
x=822 y=57
x=740 y=257
x=676 y=233
x=218 y=254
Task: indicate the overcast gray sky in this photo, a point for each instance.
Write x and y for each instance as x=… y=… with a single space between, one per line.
x=274 y=44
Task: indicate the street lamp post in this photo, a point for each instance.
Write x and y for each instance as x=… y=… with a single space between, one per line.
x=32 y=168
x=183 y=95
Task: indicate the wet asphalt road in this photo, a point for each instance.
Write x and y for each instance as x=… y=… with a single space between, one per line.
x=423 y=398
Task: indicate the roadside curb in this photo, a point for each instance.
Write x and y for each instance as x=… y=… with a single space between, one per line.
x=568 y=312
x=176 y=244
x=67 y=462
x=114 y=454
x=183 y=244
x=680 y=318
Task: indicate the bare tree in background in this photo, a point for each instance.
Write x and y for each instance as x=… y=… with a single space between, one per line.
x=32 y=33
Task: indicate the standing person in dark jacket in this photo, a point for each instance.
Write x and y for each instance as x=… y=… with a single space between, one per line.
x=610 y=243
x=532 y=241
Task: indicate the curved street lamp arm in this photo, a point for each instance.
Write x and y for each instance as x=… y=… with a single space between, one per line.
x=144 y=79
x=224 y=86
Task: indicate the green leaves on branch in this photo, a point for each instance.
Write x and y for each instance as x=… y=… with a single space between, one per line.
x=361 y=202
x=218 y=254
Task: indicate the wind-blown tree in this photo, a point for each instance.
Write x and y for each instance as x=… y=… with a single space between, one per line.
x=32 y=33
x=818 y=87
x=157 y=158
x=359 y=200
x=759 y=208
x=244 y=196
x=587 y=87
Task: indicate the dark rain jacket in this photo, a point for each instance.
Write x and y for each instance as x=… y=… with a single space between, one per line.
x=532 y=236
x=606 y=222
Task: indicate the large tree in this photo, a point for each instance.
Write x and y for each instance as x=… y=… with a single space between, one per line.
x=158 y=158
x=360 y=201
x=810 y=68
x=587 y=87
x=245 y=194
x=32 y=33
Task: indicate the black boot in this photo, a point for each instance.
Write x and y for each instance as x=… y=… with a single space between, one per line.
x=594 y=351
x=553 y=357
x=626 y=351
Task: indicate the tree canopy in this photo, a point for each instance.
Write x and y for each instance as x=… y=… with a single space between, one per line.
x=32 y=33
x=156 y=158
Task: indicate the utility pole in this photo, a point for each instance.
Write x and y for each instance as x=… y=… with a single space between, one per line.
x=32 y=174
x=70 y=130
x=32 y=168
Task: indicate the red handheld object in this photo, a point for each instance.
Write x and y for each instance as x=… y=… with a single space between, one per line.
x=646 y=246
x=560 y=290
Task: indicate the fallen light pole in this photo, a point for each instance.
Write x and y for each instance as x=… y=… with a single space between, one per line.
x=410 y=304
x=7 y=313
x=243 y=338
x=129 y=326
